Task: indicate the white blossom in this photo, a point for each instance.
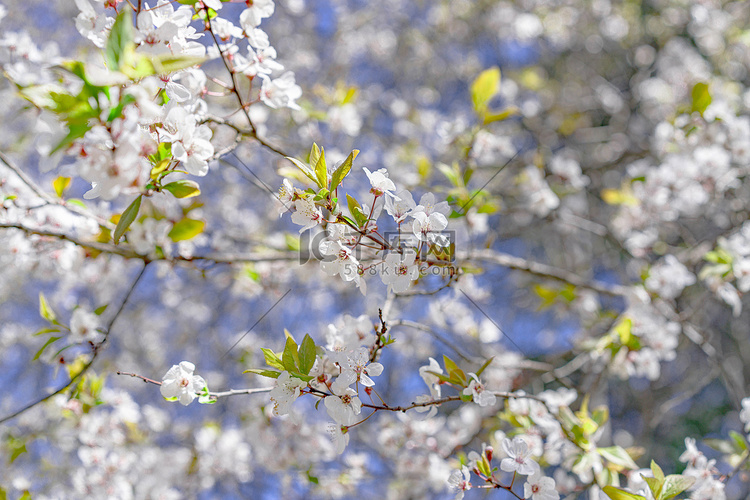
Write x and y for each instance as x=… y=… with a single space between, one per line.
x=180 y=383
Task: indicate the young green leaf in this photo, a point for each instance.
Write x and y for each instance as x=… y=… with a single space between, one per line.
x=740 y=445
x=169 y=63
x=183 y=189
x=484 y=366
x=343 y=170
x=356 y=211
x=675 y=484
x=290 y=356
x=47 y=330
x=304 y=168
x=618 y=494
x=45 y=311
x=265 y=373
x=450 y=365
x=458 y=377
x=655 y=485
x=618 y=456
x=307 y=353
x=272 y=359
x=41 y=350
x=314 y=154
x=484 y=87
x=321 y=170
x=205 y=398
x=60 y=185
x=127 y=218
x=120 y=46
x=186 y=229
x=701 y=97
x=501 y=115
x=656 y=471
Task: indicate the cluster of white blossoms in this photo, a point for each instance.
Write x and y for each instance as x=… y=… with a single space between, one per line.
x=127 y=119
x=338 y=376
x=728 y=270
x=697 y=160
x=657 y=340
x=645 y=136
x=517 y=460
x=700 y=471
x=419 y=232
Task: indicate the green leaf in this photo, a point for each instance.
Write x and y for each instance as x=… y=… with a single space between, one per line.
x=127 y=218
x=265 y=373
x=312 y=478
x=41 y=350
x=739 y=441
x=500 y=116
x=120 y=46
x=618 y=494
x=307 y=354
x=26 y=496
x=290 y=356
x=45 y=310
x=47 y=330
x=343 y=170
x=424 y=167
x=100 y=310
x=484 y=87
x=450 y=365
x=163 y=152
x=618 y=456
x=186 y=229
x=443 y=377
x=75 y=131
x=304 y=167
x=169 y=63
x=600 y=415
x=206 y=398
x=183 y=188
x=116 y=112
x=356 y=211
x=321 y=170
x=655 y=485
x=450 y=173
x=60 y=185
x=458 y=377
x=484 y=366
x=675 y=484
x=657 y=472
x=17 y=447
x=272 y=359
x=314 y=154
x=701 y=97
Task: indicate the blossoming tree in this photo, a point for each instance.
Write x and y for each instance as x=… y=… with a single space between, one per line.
x=219 y=199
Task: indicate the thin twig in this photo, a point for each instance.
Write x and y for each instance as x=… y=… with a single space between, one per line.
x=97 y=350
x=48 y=198
x=545 y=271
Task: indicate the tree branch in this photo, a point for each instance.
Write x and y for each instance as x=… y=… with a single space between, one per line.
x=97 y=350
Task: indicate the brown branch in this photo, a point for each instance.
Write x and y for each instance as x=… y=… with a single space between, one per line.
x=544 y=271
x=243 y=106
x=50 y=200
x=501 y=259
x=95 y=245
